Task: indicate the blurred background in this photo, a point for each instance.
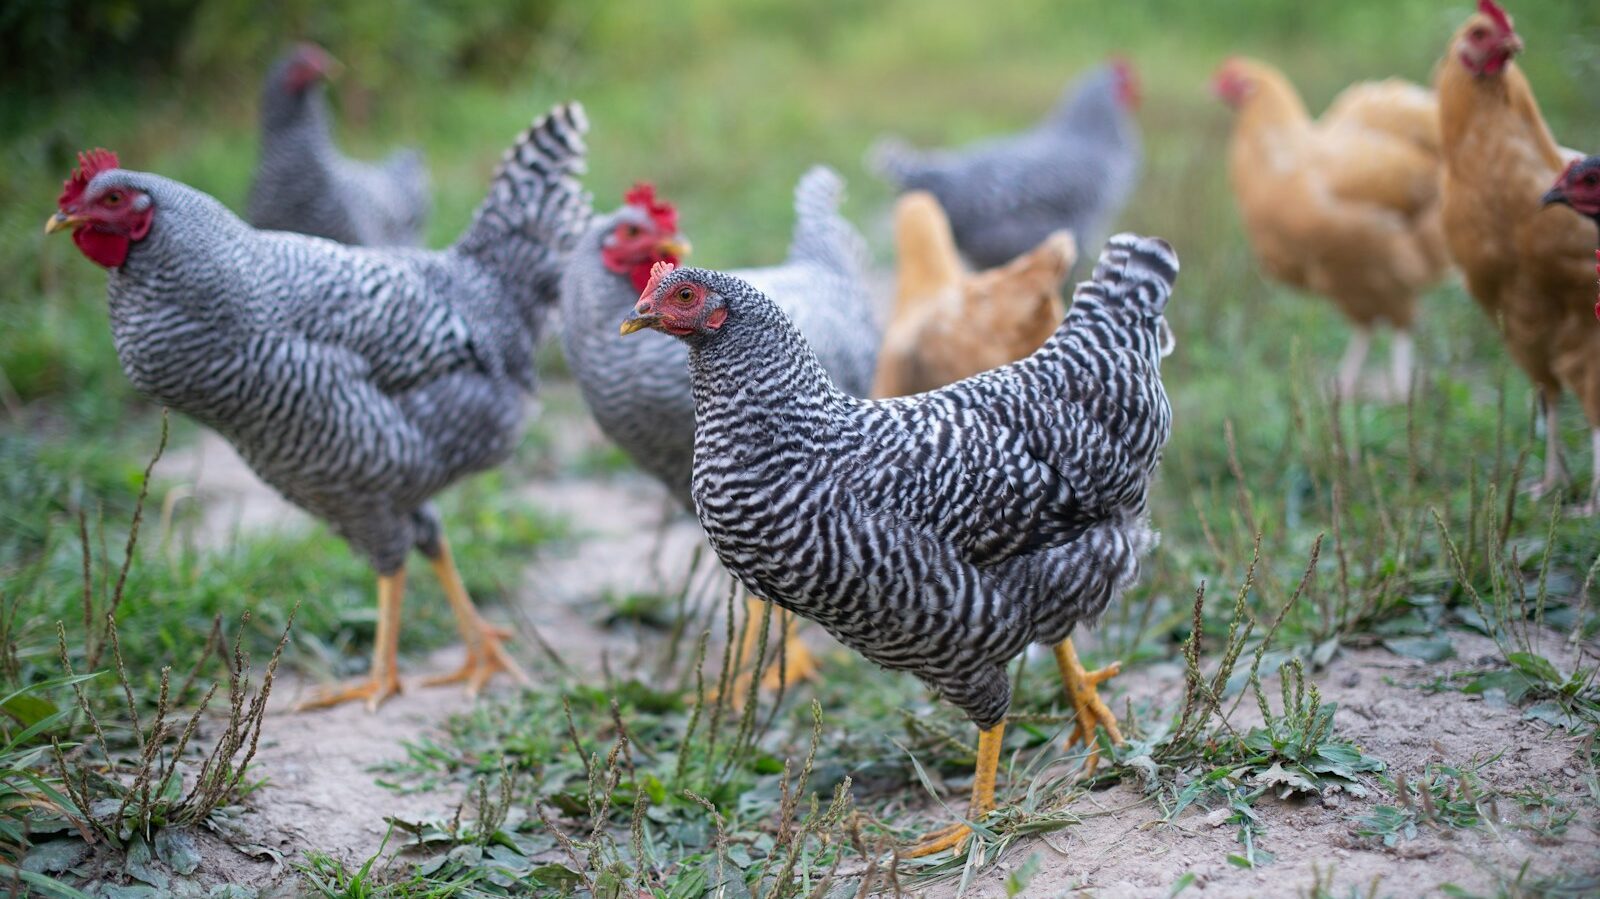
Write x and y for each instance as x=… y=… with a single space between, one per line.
x=723 y=103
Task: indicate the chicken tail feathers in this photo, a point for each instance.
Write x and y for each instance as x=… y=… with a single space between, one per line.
x=821 y=234
x=1137 y=271
x=893 y=160
x=535 y=194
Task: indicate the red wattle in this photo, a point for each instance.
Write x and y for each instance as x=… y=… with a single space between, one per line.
x=102 y=247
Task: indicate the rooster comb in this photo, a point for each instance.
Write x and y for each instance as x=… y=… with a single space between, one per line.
x=664 y=214
x=90 y=164
x=658 y=273
x=1493 y=11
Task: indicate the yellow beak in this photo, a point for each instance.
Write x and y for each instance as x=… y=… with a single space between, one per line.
x=636 y=322
x=61 y=220
x=677 y=247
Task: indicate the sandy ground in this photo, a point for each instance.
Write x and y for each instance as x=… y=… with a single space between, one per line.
x=322 y=794
x=1118 y=851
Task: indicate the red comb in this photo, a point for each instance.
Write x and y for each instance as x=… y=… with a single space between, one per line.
x=664 y=214
x=90 y=164
x=658 y=272
x=1493 y=11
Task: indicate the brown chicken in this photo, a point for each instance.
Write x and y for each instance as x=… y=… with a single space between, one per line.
x=949 y=323
x=1526 y=264
x=1345 y=206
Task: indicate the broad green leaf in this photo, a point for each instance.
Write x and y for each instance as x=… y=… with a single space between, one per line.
x=1537 y=667
x=177 y=848
x=1428 y=649
x=55 y=856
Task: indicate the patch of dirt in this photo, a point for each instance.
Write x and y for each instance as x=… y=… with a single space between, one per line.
x=1120 y=848
x=322 y=794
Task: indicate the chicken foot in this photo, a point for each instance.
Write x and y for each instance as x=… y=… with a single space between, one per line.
x=1355 y=356
x=982 y=802
x=792 y=664
x=486 y=652
x=383 y=679
x=1555 y=469
x=1402 y=365
x=1082 y=690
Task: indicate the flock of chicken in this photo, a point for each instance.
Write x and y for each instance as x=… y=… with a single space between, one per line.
x=939 y=497
x=1371 y=205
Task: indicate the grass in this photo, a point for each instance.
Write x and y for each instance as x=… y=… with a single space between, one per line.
x=1423 y=533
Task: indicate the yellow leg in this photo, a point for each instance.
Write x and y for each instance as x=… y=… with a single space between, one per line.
x=383 y=680
x=486 y=654
x=798 y=662
x=1086 y=702
x=982 y=802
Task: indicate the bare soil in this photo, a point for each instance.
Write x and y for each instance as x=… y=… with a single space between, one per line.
x=323 y=795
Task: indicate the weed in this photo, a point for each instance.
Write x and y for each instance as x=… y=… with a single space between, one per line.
x=1441 y=796
x=1513 y=615
x=1199 y=754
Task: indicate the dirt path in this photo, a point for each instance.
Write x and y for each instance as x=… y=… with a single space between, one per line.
x=324 y=796
x=1120 y=849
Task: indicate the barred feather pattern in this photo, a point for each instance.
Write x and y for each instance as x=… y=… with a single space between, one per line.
x=304 y=184
x=356 y=381
x=637 y=387
x=941 y=533
x=1004 y=196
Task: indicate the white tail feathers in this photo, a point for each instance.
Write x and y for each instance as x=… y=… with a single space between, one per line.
x=892 y=159
x=821 y=234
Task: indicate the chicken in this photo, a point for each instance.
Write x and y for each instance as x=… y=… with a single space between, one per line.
x=358 y=382
x=1524 y=263
x=1579 y=187
x=1004 y=196
x=941 y=533
x=947 y=323
x=1345 y=206
x=821 y=285
x=303 y=183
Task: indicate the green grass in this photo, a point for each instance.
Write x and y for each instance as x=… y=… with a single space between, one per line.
x=723 y=105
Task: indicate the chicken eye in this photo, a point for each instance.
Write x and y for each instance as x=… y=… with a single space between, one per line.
x=1479 y=33
x=685 y=295
x=113 y=198
x=631 y=231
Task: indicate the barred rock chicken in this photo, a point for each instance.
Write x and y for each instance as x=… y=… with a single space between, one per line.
x=942 y=533
x=1345 y=206
x=820 y=285
x=1524 y=263
x=949 y=323
x=1579 y=187
x=303 y=183
x=357 y=382
x=1004 y=196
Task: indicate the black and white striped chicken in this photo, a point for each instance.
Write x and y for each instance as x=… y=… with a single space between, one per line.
x=821 y=287
x=1005 y=195
x=358 y=382
x=941 y=533
x=304 y=184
